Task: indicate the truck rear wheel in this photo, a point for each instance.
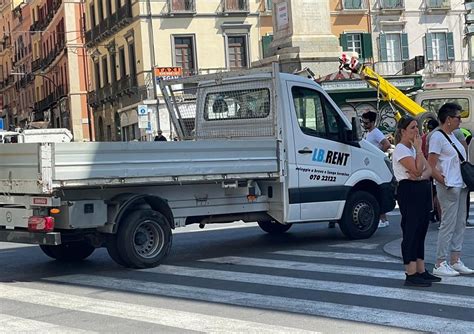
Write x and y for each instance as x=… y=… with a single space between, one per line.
x=361 y=215
x=69 y=251
x=144 y=239
x=273 y=227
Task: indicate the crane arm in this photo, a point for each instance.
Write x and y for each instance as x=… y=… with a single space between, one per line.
x=388 y=91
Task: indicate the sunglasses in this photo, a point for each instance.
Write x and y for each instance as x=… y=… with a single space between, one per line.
x=458 y=117
x=365 y=122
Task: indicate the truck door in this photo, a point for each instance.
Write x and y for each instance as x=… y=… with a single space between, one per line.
x=323 y=159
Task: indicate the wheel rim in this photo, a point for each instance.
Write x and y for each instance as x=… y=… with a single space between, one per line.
x=363 y=216
x=148 y=239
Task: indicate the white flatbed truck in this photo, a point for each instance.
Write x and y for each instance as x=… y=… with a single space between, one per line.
x=266 y=147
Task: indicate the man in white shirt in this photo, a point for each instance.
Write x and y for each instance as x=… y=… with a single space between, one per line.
x=376 y=138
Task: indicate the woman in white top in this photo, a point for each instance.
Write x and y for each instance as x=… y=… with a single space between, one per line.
x=413 y=172
x=452 y=192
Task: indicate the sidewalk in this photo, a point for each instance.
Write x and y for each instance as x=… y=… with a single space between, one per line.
x=467 y=256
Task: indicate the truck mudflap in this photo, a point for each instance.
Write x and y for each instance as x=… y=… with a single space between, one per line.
x=387 y=196
x=25 y=237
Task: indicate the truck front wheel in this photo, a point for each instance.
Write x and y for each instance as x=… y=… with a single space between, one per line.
x=361 y=215
x=273 y=227
x=143 y=239
x=69 y=251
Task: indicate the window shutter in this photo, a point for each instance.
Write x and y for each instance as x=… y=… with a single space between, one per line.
x=429 y=46
x=266 y=40
x=450 y=45
x=404 y=42
x=343 y=41
x=383 y=47
x=366 y=46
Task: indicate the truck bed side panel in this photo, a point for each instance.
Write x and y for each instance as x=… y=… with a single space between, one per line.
x=20 y=168
x=82 y=161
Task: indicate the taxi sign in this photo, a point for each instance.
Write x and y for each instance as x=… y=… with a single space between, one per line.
x=167 y=73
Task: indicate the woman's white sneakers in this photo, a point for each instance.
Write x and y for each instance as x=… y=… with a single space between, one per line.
x=456 y=269
x=461 y=268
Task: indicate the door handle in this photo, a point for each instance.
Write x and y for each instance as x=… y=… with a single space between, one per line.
x=305 y=150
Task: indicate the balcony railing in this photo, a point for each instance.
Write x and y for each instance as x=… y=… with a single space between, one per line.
x=36 y=65
x=388 y=67
x=438 y=4
x=439 y=67
x=181 y=7
x=392 y=4
x=354 y=4
x=235 y=6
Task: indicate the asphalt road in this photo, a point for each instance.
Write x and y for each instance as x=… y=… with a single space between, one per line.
x=229 y=280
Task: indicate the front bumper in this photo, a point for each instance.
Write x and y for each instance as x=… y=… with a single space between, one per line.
x=387 y=196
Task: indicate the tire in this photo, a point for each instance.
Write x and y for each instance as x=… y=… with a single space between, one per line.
x=113 y=251
x=423 y=119
x=273 y=227
x=361 y=216
x=69 y=252
x=144 y=239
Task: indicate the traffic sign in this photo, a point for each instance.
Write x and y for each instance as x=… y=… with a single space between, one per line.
x=142 y=110
x=2 y=124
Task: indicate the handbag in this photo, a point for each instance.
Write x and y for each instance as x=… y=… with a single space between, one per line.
x=467 y=169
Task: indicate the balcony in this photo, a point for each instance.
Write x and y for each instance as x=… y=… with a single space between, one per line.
x=392 y=6
x=127 y=85
x=181 y=7
x=92 y=99
x=441 y=67
x=235 y=7
x=352 y=6
x=36 y=65
x=120 y=19
x=436 y=6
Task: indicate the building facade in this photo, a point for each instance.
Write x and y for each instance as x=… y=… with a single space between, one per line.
x=127 y=39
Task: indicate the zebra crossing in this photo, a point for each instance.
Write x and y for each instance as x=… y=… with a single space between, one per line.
x=338 y=283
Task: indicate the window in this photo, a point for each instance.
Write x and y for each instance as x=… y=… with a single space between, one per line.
x=439 y=46
x=182 y=5
x=236 y=5
x=97 y=75
x=100 y=9
x=108 y=8
x=394 y=47
x=184 y=54
x=131 y=59
x=433 y=105
x=353 y=4
x=269 y=5
x=240 y=104
x=237 y=51
x=105 y=74
x=392 y=4
x=113 y=68
x=92 y=15
x=316 y=116
x=355 y=42
x=123 y=72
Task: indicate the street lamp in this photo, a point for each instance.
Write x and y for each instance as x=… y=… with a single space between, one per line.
x=56 y=87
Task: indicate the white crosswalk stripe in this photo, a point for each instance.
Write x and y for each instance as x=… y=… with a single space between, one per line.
x=344 y=256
